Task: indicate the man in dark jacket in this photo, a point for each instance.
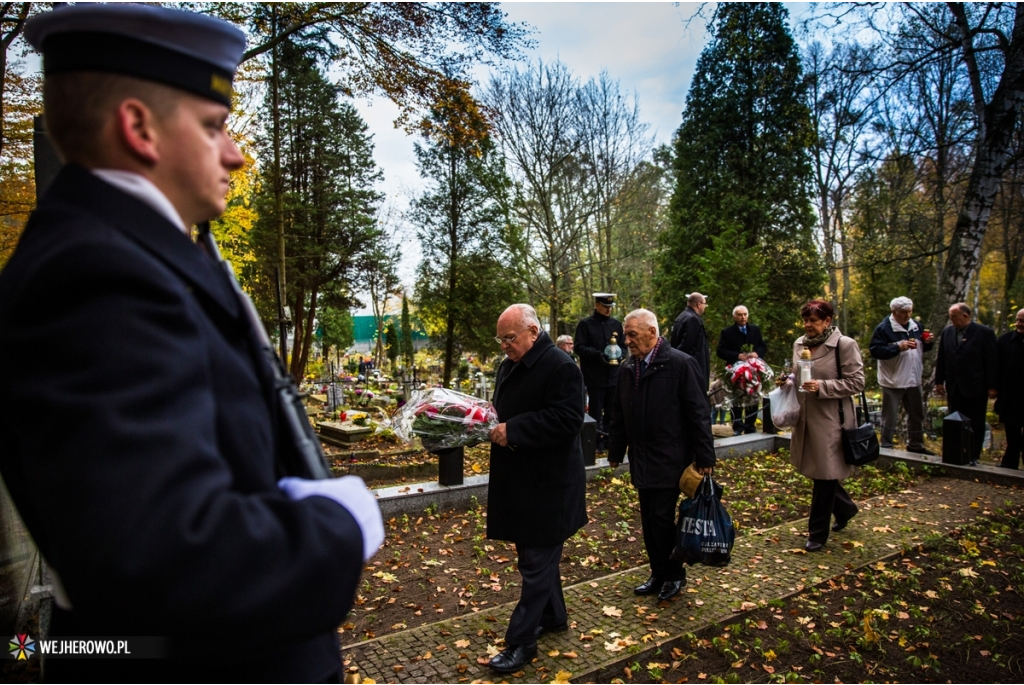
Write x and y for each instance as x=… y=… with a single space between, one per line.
x=1010 y=384
x=740 y=342
x=689 y=336
x=535 y=496
x=143 y=444
x=660 y=414
x=966 y=370
x=593 y=335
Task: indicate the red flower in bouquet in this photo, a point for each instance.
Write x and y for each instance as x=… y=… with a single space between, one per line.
x=748 y=379
x=443 y=419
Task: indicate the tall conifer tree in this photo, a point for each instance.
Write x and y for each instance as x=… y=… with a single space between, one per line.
x=408 y=350
x=462 y=283
x=741 y=212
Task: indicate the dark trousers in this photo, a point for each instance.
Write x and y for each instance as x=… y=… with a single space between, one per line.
x=828 y=497
x=973 y=408
x=541 y=602
x=596 y=405
x=744 y=419
x=913 y=404
x=1014 y=443
x=658 y=520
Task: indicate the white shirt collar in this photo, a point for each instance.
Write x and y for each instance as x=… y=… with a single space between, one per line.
x=910 y=327
x=142 y=189
x=650 y=356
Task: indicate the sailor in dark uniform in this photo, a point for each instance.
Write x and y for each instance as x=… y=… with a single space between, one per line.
x=145 y=444
x=600 y=373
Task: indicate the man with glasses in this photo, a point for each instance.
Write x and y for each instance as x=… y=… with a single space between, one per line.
x=535 y=494
x=593 y=334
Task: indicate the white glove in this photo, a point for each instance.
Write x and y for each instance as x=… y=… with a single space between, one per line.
x=351 y=493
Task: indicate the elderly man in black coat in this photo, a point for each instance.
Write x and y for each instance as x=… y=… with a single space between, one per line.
x=689 y=335
x=966 y=370
x=143 y=443
x=731 y=349
x=1010 y=385
x=535 y=496
x=659 y=413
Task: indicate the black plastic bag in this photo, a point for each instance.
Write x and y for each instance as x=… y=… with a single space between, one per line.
x=704 y=530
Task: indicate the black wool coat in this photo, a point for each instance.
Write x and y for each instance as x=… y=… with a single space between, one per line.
x=969 y=368
x=142 y=452
x=665 y=422
x=689 y=336
x=593 y=335
x=535 y=494
x=732 y=340
x=1010 y=381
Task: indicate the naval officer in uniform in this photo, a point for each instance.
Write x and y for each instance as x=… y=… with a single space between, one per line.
x=144 y=444
x=593 y=334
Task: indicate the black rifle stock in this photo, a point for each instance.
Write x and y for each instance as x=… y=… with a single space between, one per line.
x=294 y=419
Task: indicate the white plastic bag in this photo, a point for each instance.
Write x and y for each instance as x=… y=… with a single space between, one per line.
x=785 y=407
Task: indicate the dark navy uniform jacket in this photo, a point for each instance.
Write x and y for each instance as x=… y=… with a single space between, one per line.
x=593 y=335
x=140 y=449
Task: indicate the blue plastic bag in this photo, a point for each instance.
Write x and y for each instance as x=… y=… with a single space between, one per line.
x=704 y=530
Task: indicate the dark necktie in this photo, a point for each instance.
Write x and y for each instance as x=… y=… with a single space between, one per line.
x=743 y=330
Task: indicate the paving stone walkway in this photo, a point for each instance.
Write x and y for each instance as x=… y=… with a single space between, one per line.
x=609 y=625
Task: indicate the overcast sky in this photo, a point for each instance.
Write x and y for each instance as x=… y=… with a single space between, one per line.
x=647 y=47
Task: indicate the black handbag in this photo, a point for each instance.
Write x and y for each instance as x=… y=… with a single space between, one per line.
x=860 y=444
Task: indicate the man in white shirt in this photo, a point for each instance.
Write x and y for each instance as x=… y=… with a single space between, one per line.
x=899 y=344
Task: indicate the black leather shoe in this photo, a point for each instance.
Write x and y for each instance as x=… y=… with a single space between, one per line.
x=513 y=658
x=921 y=450
x=649 y=587
x=839 y=525
x=814 y=546
x=541 y=630
x=670 y=589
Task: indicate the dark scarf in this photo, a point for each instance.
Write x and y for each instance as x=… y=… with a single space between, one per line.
x=819 y=339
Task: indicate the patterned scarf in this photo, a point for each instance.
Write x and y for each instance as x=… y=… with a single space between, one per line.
x=819 y=339
x=653 y=353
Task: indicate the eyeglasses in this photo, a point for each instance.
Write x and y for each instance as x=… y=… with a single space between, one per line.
x=509 y=339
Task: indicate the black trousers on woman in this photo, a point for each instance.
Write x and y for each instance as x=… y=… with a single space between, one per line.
x=829 y=497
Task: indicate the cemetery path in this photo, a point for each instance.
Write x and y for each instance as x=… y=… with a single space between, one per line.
x=610 y=627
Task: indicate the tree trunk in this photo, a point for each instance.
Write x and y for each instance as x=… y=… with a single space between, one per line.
x=997 y=120
x=307 y=341
x=278 y=181
x=295 y=367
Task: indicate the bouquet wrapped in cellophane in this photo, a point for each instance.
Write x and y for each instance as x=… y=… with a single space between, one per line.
x=748 y=380
x=443 y=419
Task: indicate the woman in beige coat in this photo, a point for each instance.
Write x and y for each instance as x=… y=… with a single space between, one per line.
x=816 y=450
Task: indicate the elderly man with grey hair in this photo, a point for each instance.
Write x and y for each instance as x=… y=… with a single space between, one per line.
x=899 y=344
x=660 y=413
x=535 y=494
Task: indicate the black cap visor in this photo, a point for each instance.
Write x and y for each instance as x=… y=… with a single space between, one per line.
x=119 y=54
